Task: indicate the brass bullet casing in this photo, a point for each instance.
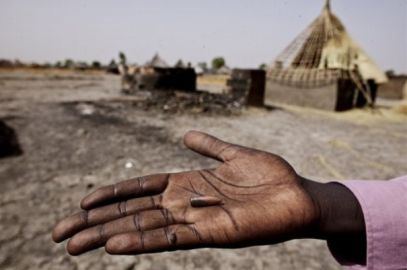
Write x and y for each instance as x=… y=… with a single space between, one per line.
x=204 y=201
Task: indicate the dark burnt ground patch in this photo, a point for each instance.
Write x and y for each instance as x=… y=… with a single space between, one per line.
x=61 y=138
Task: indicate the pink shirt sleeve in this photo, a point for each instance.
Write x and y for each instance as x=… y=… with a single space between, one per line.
x=384 y=205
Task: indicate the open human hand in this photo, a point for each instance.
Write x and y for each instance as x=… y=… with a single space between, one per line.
x=251 y=198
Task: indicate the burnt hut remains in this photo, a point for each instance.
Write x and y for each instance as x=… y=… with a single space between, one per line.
x=157 y=74
x=9 y=145
x=183 y=79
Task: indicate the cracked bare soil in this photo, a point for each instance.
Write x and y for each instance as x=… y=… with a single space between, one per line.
x=77 y=133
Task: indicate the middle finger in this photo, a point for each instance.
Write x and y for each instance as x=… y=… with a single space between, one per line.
x=97 y=236
x=82 y=220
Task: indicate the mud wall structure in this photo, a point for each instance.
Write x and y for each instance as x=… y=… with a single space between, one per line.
x=249 y=86
x=396 y=88
x=341 y=95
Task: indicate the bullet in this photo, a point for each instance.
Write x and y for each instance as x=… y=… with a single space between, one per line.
x=205 y=201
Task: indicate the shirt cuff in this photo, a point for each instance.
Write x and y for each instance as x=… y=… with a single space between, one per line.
x=384 y=206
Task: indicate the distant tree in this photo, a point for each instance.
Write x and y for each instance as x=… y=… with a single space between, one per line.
x=5 y=63
x=218 y=62
x=203 y=66
x=69 y=63
x=263 y=66
x=123 y=58
x=58 y=64
x=96 y=65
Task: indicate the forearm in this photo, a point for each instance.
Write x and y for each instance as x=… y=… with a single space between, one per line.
x=340 y=221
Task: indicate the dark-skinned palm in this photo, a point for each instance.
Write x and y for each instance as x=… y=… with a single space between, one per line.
x=262 y=201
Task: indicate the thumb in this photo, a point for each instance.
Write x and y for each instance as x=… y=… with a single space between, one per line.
x=209 y=146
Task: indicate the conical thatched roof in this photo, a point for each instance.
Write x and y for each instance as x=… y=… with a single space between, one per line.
x=157 y=62
x=323 y=52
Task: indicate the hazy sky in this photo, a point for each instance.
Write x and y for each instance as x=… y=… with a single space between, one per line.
x=246 y=33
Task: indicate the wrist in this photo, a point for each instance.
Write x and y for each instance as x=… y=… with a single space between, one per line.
x=340 y=220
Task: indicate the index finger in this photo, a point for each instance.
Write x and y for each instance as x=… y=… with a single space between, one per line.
x=136 y=187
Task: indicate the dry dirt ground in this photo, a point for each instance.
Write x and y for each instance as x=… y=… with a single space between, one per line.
x=77 y=133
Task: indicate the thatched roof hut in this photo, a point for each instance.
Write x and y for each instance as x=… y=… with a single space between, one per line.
x=157 y=62
x=325 y=54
